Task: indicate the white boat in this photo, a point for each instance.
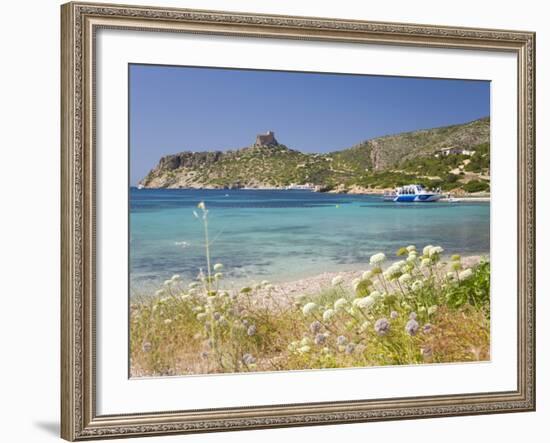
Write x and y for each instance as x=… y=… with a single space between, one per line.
x=140 y=186
x=413 y=194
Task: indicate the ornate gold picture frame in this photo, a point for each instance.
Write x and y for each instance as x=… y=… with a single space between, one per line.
x=80 y=22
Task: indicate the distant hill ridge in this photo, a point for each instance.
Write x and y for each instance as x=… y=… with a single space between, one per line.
x=375 y=163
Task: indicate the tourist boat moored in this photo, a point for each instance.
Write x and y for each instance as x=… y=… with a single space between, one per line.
x=412 y=193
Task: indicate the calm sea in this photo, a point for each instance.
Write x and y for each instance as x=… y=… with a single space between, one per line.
x=286 y=235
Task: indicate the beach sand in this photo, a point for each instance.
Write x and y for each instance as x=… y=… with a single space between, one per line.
x=312 y=285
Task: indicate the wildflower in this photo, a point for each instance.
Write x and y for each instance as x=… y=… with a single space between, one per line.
x=411 y=259
x=364 y=303
x=367 y=275
x=204 y=354
x=248 y=359
x=159 y=292
x=405 y=278
x=411 y=248
x=394 y=315
x=328 y=314
x=309 y=308
x=425 y=262
x=201 y=316
x=411 y=327
x=417 y=285
x=377 y=259
x=315 y=326
x=264 y=282
x=185 y=297
x=193 y=285
x=338 y=280
x=427 y=328
x=320 y=339
x=436 y=250
x=251 y=330
x=466 y=274
x=392 y=272
x=355 y=282
x=304 y=349
x=202 y=206
x=341 y=340
x=216 y=316
x=246 y=290
x=218 y=267
x=432 y=310
x=456 y=266
x=412 y=316
x=269 y=287
x=218 y=275
x=340 y=304
x=450 y=275
x=375 y=295
x=175 y=277
x=167 y=321
x=382 y=326
x=306 y=341
x=167 y=282
x=350 y=347
x=426 y=250
x=455 y=257
x=146 y=346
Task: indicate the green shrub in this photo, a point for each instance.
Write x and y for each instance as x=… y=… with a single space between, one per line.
x=476 y=186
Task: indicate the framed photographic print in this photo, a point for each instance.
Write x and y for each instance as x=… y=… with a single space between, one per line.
x=282 y=221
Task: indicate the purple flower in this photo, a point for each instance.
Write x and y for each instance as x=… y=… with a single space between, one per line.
x=341 y=340
x=315 y=327
x=350 y=348
x=427 y=328
x=320 y=339
x=251 y=330
x=146 y=347
x=411 y=327
x=412 y=316
x=394 y=315
x=426 y=351
x=248 y=359
x=382 y=326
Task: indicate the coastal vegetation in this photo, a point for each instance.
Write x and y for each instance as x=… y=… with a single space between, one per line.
x=370 y=166
x=420 y=306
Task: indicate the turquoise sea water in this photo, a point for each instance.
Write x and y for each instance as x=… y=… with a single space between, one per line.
x=285 y=235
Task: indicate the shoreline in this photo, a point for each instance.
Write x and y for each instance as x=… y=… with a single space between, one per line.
x=482 y=196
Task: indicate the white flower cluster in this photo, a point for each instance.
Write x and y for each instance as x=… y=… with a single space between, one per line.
x=378 y=259
x=364 y=303
x=309 y=308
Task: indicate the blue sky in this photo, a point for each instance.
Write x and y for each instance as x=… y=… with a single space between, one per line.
x=174 y=109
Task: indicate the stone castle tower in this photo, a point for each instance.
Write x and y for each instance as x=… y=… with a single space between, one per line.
x=267 y=139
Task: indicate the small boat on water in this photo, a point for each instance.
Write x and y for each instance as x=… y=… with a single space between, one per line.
x=412 y=193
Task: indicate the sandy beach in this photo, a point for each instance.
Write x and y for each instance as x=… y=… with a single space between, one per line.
x=313 y=285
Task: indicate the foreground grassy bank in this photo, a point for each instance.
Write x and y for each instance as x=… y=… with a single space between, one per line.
x=419 y=309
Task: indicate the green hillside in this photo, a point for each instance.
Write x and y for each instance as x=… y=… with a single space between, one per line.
x=380 y=163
